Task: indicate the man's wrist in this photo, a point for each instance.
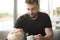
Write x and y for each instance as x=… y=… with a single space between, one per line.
x=44 y=38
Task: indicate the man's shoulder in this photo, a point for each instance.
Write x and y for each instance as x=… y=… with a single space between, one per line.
x=43 y=14
x=23 y=16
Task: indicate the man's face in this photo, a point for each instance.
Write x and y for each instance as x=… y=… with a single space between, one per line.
x=32 y=9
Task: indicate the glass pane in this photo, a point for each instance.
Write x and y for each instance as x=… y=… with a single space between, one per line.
x=56 y=14
x=6 y=14
x=56 y=7
x=44 y=6
x=21 y=9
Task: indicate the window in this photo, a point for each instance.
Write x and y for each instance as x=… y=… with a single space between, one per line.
x=21 y=9
x=55 y=13
x=44 y=6
x=6 y=14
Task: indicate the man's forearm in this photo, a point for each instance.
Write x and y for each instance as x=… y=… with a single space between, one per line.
x=49 y=34
x=48 y=37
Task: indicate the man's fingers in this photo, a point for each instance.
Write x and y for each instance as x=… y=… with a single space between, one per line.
x=15 y=34
x=15 y=30
x=37 y=37
x=18 y=30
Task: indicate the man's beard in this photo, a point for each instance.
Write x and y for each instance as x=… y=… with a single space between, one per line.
x=32 y=15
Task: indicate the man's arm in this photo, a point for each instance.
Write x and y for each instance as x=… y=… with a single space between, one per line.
x=15 y=34
x=49 y=34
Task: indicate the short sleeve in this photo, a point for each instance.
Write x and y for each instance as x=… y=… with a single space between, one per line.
x=47 y=21
x=19 y=23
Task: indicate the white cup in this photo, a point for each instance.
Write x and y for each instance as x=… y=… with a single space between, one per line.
x=30 y=37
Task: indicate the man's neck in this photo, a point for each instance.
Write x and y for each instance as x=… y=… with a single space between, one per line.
x=34 y=17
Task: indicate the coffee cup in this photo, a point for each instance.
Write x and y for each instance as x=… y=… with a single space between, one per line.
x=30 y=37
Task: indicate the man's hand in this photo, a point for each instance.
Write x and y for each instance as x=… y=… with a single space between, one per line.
x=15 y=34
x=38 y=37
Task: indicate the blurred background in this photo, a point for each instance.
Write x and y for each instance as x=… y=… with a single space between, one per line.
x=10 y=10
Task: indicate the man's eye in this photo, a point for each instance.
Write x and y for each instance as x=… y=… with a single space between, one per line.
x=33 y=8
x=28 y=9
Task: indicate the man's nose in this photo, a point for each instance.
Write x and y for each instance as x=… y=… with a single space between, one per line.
x=30 y=11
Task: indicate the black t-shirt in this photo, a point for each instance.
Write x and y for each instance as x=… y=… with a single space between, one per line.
x=34 y=27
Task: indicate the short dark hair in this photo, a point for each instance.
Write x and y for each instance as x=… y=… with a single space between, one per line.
x=32 y=2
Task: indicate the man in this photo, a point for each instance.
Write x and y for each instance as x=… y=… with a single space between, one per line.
x=33 y=22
